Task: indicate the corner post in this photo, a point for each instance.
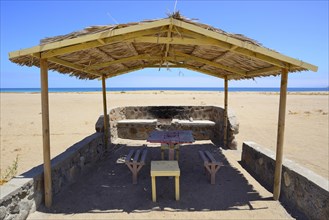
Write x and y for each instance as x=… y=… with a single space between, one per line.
x=280 y=136
x=45 y=132
x=225 y=110
x=105 y=111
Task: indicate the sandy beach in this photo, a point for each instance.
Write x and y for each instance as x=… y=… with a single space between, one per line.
x=73 y=117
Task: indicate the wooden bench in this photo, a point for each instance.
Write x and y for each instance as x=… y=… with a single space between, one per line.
x=210 y=164
x=135 y=160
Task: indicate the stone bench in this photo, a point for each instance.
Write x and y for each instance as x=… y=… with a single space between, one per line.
x=202 y=129
x=137 y=129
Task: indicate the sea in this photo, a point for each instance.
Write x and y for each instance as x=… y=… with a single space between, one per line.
x=127 y=89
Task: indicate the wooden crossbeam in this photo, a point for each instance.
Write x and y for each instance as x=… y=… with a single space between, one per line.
x=210 y=63
x=110 y=75
x=97 y=43
x=263 y=71
x=91 y=37
x=260 y=52
x=127 y=59
x=206 y=40
x=193 y=68
x=226 y=54
x=73 y=66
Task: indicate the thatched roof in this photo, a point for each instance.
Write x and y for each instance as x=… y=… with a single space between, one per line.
x=173 y=42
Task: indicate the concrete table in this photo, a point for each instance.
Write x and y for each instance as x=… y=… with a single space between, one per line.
x=172 y=139
x=164 y=168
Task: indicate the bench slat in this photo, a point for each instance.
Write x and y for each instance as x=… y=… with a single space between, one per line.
x=203 y=156
x=128 y=158
x=211 y=157
x=136 y=156
x=143 y=156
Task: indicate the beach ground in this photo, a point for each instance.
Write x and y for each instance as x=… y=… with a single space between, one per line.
x=107 y=192
x=73 y=117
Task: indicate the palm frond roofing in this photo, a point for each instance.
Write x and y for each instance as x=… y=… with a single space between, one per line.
x=173 y=42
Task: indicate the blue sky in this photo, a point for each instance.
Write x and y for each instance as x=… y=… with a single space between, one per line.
x=295 y=28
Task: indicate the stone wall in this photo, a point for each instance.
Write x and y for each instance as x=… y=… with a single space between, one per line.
x=165 y=115
x=24 y=193
x=303 y=192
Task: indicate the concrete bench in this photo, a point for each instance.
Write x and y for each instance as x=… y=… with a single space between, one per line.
x=194 y=122
x=135 y=160
x=138 y=121
x=210 y=164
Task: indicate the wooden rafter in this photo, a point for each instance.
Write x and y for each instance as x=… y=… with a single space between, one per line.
x=127 y=59
x=193 y=68
x=210 y=63
x=262 y=71
x=73 y=66
x=260 y=52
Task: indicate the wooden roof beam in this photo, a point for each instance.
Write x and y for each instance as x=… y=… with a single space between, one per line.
x=263 y=71
x=210 y=63
x=73 y=66
x=127 y=59
x=96 y=43
x=91 y=37
x=263 y=52
x=193 y=68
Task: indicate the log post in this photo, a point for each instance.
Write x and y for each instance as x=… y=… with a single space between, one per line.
x=45 y=132
x=225 y=110
x=105 y=111
x=280 y=135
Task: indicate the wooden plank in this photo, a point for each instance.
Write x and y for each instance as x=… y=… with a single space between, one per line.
x=127 y=59
x=73 y=66
x=210 y=156
x=128 y=157
x=280 y=136
x=97 y=43
x=106 y=130
x=210 y=63
x=90 y=37
x=203 y=157
x=45 y=132
x=136 y=156
x=143 y=156
x=245 y=45
x=225 y=110
x=262 y=71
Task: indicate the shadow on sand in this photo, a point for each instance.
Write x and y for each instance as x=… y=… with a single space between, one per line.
x=108 y=187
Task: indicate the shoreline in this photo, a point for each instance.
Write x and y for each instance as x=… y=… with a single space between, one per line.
x=176 y=91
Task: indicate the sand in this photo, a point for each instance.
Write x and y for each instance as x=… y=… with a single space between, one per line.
x=73 y=117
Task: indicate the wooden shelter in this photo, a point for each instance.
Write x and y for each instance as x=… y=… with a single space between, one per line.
x=101 y=52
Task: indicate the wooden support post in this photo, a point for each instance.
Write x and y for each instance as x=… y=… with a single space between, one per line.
x=105 y=111
x=45 y=131
x=280 y=136
x=225 y=110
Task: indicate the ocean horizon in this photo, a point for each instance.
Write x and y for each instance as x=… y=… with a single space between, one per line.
x=127 y=89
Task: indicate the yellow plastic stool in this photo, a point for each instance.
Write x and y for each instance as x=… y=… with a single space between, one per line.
x=165 y=168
